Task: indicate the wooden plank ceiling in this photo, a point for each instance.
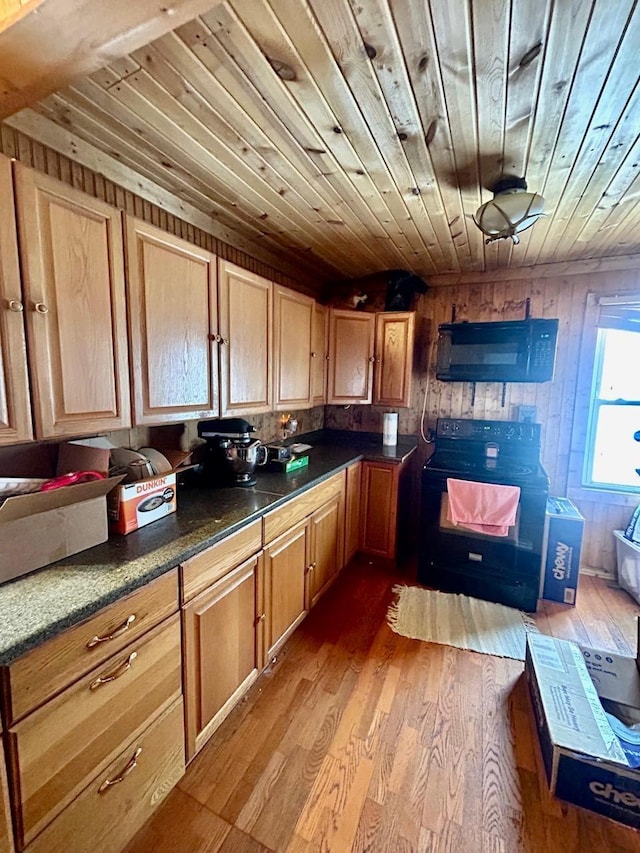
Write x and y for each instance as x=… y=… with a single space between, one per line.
x=360 y=136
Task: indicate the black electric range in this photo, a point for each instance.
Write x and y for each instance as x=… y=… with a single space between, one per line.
x=504 y=570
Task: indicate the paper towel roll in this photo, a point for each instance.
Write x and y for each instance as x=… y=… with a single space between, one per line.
x=390 y=428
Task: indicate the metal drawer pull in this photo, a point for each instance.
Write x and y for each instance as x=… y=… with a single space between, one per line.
x=125 y=666
x=16 y=305
x=94 y=641
x=108 y=783
x=41 y=308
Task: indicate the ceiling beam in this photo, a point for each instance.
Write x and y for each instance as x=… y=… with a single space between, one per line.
x=611 y=263
x=59 y=40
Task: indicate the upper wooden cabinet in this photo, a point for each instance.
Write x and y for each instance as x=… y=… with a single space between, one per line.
x=73 y=277
x=15 y=411
x=173 y=320
x=246 y=324
x=319 y=355
x=394 y=358
x=370 y=357
x=293 y=330
x=351 y=342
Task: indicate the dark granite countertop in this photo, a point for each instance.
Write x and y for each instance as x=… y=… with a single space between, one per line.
x=40 y=605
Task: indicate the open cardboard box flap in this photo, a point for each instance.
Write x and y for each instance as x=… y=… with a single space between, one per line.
x=22 y=506
x=616 y=676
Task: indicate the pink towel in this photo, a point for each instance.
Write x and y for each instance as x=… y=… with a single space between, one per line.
x=484 y=507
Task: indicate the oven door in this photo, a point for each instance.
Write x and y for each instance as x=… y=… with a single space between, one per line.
x=504 y=569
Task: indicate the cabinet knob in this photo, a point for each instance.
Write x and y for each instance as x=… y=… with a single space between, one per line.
x=224 y=341
x=326 y=358
x=215 y=338
x=261 y=618
x=372 y=359
x=314 y=355
x=41 y=308
x=15 y=305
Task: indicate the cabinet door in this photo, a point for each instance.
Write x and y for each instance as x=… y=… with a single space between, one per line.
x=6 y=832
x=379 y=508
x=394 y=358
x=353 y=534
x=246 y=323
x=292 y=328
x=319 y=355
x=73 y=275
x=351 y=339
x=173 y=320
x=326 y=527
x=15 y=412
x=221 y=650
x=286 y=570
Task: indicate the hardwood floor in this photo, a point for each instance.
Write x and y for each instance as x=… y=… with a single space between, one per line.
x=357 y=739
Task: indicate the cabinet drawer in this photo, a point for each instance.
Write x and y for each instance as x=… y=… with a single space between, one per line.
x=49 y=668
x=105 y=816
x=57 y=749
x=280 y=520
x=206 y=568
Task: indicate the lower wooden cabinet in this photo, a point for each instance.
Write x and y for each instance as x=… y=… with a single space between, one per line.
x=353 y=497
x=223 y=630
x=115 y=805
x=286 y=562
x=386 y=517
x=55 y=751
x=6 y=831
x=326 y=529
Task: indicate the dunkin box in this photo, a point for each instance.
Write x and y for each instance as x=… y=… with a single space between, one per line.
x=134 y=505
x=585 y=701
x=561 y=551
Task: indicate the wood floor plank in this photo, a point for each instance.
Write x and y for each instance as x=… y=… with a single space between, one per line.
x=357 y=739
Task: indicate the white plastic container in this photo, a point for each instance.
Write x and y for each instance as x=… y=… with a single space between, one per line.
x=390 y=429
x=628 y=559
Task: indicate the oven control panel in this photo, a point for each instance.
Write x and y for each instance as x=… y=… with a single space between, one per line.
x=498 y=431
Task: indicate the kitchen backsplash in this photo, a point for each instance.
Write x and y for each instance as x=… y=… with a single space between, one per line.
x=38 y=459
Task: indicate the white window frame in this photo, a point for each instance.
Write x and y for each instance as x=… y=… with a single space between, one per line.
x=596 y=403
x=576 y=486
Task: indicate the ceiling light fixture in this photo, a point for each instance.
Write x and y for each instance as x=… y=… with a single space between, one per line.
x=512 y=209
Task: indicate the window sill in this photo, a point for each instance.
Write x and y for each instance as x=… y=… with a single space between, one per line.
x=582 y=493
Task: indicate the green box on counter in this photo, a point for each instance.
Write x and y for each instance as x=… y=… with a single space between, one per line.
x=288 y=465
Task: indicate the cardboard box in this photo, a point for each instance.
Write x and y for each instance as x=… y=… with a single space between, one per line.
x=584 y=761
x=44 y=527
x=134 y=505
x=561 y=551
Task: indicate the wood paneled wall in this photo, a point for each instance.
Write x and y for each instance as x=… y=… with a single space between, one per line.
x=44 y=159
x=564 y=298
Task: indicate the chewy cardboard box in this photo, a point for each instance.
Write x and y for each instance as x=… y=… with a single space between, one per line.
x=584 y=760
x=133 y=505
x=561 y=551
x=43 y=527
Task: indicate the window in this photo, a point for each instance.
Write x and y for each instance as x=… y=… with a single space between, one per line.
x=612 y=457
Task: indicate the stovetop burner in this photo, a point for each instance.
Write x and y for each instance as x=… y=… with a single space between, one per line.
x=504 y=452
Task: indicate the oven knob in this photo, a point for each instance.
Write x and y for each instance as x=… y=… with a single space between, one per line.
x=509 y=432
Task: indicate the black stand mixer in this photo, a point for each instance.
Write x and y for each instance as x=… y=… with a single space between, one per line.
x=231 y=454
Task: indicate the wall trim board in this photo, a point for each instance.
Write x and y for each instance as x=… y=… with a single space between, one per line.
x=305 y=276
x=560 y=269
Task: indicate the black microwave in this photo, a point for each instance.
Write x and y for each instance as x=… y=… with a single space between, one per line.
x=509 y=351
